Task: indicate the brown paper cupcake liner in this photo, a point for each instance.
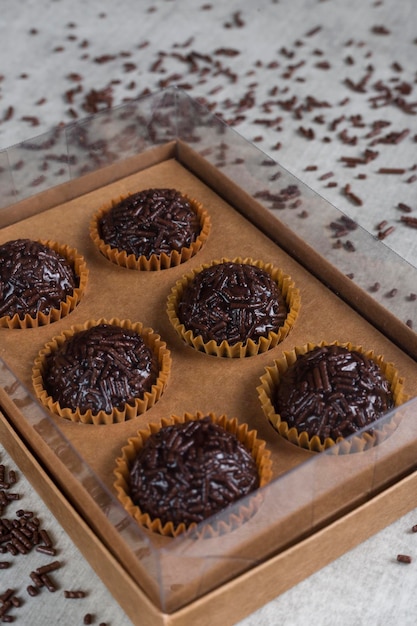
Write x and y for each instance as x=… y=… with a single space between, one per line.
x=359 y=443
x=239 y=349
x=211 y=528
x=41 y=319
x=156 y=261
x=130 y=410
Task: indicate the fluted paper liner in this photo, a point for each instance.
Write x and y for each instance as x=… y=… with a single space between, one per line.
x=155 y=261
x=130 y=410
x=239 y=349
x=79 y=266
x=270 y=381
x=229 y=521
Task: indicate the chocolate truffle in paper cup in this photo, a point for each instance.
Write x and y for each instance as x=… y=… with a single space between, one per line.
x=319 y=395
x=234 y=308
x=152 y=229
x=102 y=372
x=181 y=472
x=40 y=282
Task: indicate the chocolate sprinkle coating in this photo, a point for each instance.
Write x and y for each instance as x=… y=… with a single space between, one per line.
x=33 y=278
x=149 y=222
x=233 y=302
x=332 y=392
x=188 y=472
x=101 y=368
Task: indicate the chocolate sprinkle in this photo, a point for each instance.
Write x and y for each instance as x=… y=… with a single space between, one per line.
x=404 y=558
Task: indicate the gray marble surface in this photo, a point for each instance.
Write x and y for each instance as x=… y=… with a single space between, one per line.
x=309 y=82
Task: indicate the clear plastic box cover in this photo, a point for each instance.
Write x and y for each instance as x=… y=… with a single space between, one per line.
x=188 y=565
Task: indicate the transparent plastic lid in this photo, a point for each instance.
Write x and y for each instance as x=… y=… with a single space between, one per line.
x=176 y=571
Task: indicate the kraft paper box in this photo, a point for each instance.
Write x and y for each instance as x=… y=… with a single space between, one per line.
x=304 y=513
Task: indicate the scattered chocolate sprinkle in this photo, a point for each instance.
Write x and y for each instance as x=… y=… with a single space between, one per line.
x=326 y=175
x=350 y=140
x=32 y=590
x=8 y=601
x=45 y=537
x=98 y=100
x=380 y=30
x=229 y=52
x=50 y=567
x=48 y=582
x=383 y=233
x=8 y=114
x=308 y=133
x=323 y=65
x=404 y=558
x=349 y=246
x=351 y=196
x=74 y=594
x=342 y=226
x=27 y=529
x=37 y=181
x=313 y=31
x=32 y=119
x=37 y=580
x=46 y=550
x=391 y=170
x=404 y=207
x=392 y=138
x=409 y=221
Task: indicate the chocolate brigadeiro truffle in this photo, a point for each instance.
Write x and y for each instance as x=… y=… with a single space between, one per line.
x=101 y=368
x=234 y=307
x=159 y=224
x=183 y=471
x=232 y=302
x=332 y=392
x=34 y=278
x=187 y=472
x=321 y=394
